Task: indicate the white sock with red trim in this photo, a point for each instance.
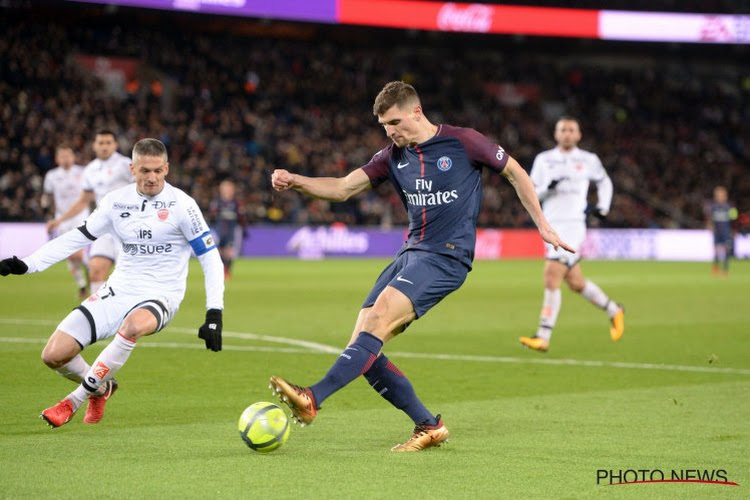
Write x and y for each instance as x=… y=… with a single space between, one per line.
x=109 y=362
x=75 y=369
x=596 y=296
x=550 y=310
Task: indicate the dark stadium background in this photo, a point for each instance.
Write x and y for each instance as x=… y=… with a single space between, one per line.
x=239 y=97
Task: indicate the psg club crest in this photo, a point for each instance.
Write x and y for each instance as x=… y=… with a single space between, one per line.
x=444 y=163
x=163 y=213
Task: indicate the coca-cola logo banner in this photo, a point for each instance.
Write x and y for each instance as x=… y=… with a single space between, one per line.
x=462 y=17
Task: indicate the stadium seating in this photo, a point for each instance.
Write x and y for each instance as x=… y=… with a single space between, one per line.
x=241 y=106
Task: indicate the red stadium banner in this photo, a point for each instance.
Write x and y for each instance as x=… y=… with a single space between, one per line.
x=495 y=244
x=475 y=18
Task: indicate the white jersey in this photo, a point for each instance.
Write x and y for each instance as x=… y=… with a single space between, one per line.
x=103 y=176
x=574 y=170
x=65 y=187
x=157 y=233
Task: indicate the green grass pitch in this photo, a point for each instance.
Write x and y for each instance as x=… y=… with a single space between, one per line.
x=674 y=393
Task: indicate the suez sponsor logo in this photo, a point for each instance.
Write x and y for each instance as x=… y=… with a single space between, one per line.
x=422 y=199
x=643 y=476
x=474 y=17
x=145 y=249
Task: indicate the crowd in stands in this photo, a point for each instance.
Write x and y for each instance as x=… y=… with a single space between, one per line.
x=667 y=129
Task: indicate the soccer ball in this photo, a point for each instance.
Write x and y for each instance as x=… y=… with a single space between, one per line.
x=264 y=427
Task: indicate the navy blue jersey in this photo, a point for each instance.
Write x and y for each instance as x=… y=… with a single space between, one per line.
x=721 y=219
x=224 y=214
x=439 y=182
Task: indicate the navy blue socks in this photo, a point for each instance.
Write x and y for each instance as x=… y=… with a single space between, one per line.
x=356 y=359
x=393 y=385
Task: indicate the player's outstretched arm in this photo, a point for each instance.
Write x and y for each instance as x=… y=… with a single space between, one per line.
x=213 y=271
x=50 y=253
x=83 y=201
x=324 y=188
x=521 y=181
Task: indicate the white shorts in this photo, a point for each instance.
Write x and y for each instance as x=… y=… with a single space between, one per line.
x=571 y=232
x=105 y=246
x=100 y=316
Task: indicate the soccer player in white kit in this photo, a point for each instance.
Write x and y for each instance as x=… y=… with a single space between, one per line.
x=561 y=177
x=159 y=225
x=108 y=171
x=62 y=185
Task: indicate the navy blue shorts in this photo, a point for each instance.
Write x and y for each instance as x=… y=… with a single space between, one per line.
x=722 y=238
x=225 y=233
x=425 y=277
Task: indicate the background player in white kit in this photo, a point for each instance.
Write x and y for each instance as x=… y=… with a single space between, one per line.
x=108 y=171
x=62 y=186
x=561 y=177
x=159 y=225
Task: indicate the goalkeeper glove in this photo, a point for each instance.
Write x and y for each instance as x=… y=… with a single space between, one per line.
x=211 y=330
x=12 y=265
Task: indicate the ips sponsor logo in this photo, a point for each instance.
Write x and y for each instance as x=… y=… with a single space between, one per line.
x=142 y=249
x=143 y=233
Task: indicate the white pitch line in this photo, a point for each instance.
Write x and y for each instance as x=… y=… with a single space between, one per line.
x=316 y=348
x=229 y=334
x=177 y=345
x=313 y=346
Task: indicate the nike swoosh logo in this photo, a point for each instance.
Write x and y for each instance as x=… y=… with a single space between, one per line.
x=402 y=166
x=399 y=278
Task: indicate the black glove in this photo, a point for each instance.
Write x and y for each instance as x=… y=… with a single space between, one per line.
x=211 y=330
x=13 y=265
x=592 y=209
x=552 y=185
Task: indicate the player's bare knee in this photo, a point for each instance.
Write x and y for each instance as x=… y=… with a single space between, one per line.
x=129 y=332
x=98 y=274
x=576 y=285
x=52 y=359
x=372 y=322
x=137 y=324
x=551 y=281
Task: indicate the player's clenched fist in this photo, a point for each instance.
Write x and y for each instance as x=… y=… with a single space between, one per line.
x=281 y=179
x=13 y=265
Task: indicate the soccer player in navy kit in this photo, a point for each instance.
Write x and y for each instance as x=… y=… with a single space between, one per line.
x=436 y=170
x=226 y=212
x=720 y=217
